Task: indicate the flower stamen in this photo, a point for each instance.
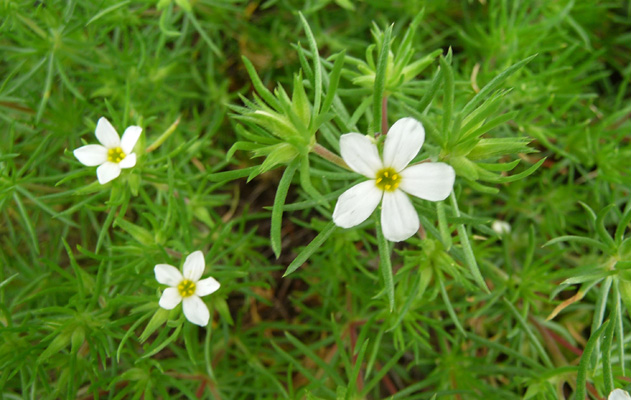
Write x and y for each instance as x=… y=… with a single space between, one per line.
x=186 y=288
x=388 y=179
x=116 y=155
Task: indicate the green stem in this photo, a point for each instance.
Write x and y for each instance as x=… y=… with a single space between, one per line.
x=384 y=115
x=329 y=156
x=466 y=248
x=158 y=142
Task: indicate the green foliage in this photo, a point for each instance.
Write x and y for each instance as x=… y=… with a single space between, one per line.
x=242 y=106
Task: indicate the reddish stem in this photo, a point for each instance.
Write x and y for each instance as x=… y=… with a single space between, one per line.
x=387 y=382
x=565 y=343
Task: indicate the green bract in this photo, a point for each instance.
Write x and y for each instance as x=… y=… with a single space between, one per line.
x=280 y=127
x=402 y=65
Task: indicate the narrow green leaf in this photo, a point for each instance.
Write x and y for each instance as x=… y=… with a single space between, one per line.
x=358 y=364
x=578 y=239
x=411 y=296
x=300 y=107
x=47 y=86
x=466 y=247
x=231 y=175
x=304 y=371
x=107 y=10
x=202 y=32
x=164 y=136
x=156 y=348
x=503 y=167
x=43 y=145
x=600 y=307
x=604 y=235
x=385 y=264
x=477 y=117
x=317 y=67
x=27 y=222
x=207 y=351
x=445 y=234
x=583 y=365
x=279 y=202
x=140 y=234
x=256 y=148
x=56 y=345
x=336 y=330
x=521 y=175
x=620 y=327
x=44 y=207
x=76 y=269
x=305 y=182
x=622 y=225
x=315 y=244
x=306 y=68
x=163 y=23
x=489 y=125
x=448 y=96
x=533 y=339
x=508 y=351
x=376 y=347
x=591 y=277
x=259 y=87
x=380 y=81
x=606 y=347
x=450 y=308
x=9 y=279
x=429 y=95
x=494 y=83
x=64 y=78
x=334 y=80
x=330 y=371
x=112 y=213
x=131 y=331
x=382 y=372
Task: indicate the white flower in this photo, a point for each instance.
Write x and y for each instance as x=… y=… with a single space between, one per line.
x=619 y=394
x=112 y=154
x=500 y=227
x=390 y=180
x=187 y=288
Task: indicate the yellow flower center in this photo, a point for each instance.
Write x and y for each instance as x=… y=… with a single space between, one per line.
x=388 y=179
x=186 y=288
x=115 y=155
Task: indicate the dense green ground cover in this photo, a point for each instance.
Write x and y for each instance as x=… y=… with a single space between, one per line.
x=242 y=105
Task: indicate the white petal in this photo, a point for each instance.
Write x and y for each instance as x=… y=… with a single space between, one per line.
x=403 y=142
x=195 y=310
x=194 y=266
x=207 y=286
x=91 y=155
x=619 y=394
x=399 y=219
x=361 y=154
x=130 y=137
x=356 y=204
x=107 y=171
x=170 y=298
x=129 y=161
x=106 y=134
x=167 y=274
x=429 y=181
